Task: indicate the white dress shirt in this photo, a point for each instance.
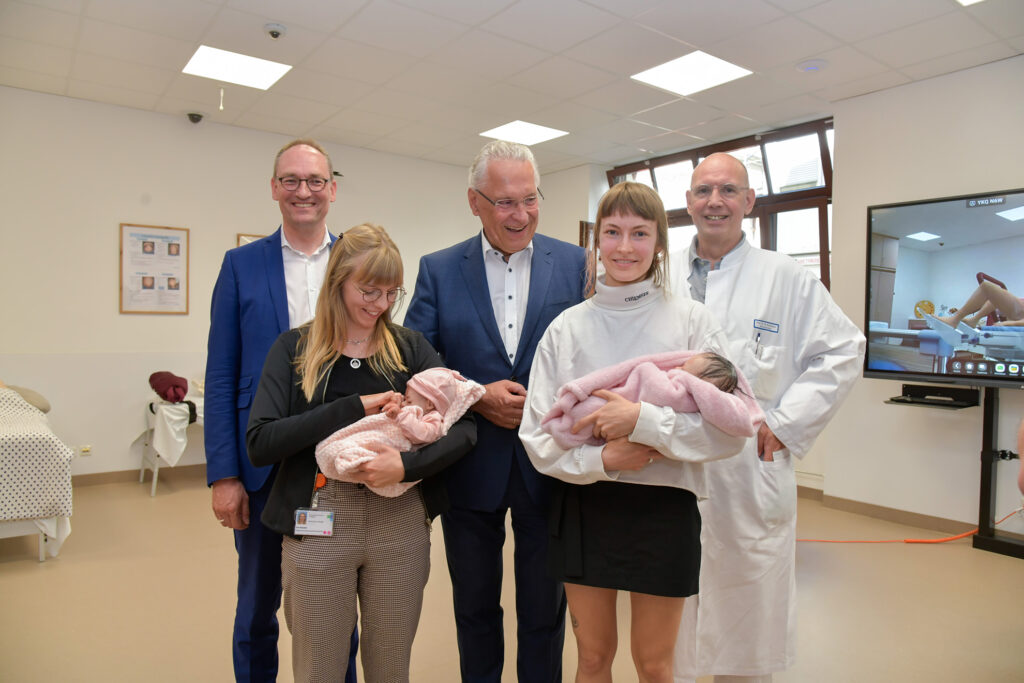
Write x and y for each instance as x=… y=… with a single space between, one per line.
x=303 y=276
x=509 y=285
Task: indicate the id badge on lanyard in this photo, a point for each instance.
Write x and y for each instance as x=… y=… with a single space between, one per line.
x=311 y=521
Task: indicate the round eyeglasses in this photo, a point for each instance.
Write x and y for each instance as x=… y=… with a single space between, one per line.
x=509 y=205
x=371 y=295
x=291 y=183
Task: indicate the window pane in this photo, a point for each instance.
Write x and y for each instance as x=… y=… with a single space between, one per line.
x=830 y=138
x=642 y=176
x=796 y=234
x=751 y=158
x=673 y=182
x=795 y=164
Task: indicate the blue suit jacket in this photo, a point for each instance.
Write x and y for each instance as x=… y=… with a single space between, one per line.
x=249 y=311
x=451 y=306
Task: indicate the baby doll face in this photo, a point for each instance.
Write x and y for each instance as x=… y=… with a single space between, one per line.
x=415 y=398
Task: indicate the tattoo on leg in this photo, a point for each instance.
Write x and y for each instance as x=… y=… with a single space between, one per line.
x=572 y=618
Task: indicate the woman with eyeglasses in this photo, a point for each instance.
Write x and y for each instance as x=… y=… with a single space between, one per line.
x=341 y=540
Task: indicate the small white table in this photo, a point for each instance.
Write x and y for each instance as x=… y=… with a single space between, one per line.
x=166 y=435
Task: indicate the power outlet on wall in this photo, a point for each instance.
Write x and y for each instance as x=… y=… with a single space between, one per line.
x=85 y=450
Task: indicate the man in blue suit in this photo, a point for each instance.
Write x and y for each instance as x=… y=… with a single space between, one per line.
x=264 y=288
x=484 y=304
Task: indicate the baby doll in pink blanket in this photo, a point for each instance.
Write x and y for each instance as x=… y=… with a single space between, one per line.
x=434 y=400
x=685 y=381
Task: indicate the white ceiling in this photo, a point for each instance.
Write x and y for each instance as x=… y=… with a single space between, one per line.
x=422 y=78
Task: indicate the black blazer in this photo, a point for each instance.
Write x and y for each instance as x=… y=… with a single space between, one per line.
x=284 y=428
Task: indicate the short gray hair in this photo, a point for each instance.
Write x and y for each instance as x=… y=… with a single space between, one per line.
x=500 y=150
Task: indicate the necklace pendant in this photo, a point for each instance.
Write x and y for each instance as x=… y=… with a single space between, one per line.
x=355 y=363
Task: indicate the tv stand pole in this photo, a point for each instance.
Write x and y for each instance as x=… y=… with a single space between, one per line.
x=988 y=538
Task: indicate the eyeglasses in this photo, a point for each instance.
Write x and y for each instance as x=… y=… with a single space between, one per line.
x=291 y=183
x=727 y=191
x=509 y=205
x=371 y=295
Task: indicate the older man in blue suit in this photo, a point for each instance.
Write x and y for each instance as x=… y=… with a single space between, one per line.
x=484 y=304
x=264 y=288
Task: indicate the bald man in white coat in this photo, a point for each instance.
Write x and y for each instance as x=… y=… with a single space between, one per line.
x=801 y=355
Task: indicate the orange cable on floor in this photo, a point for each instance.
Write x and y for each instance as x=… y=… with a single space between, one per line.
x=913 y=540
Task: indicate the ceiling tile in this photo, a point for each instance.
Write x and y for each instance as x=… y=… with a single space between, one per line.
x=1005 y=18
x=725 y=128
x=787 y=40
x=372 y=123
x=30 y=56
x=386 y=101
x=341 y=136
x=803 y=108
x=562 y=77
x=488 y=55
x=626 y=131
x=552 y=26
x=121 y=74
x=953 y=32
x=390 y=145
x=237 y=98
x=69 y=6
x=756 y=87
x=572 y=117
x=961 y=60
x=630 y=9
x=511 y=101
x=843 y=64
x=440 y=83
x=358 y=61
x=862 y=86
x=37 y=24
x=243 y=32
x=668 y=142
x=318 y=16
x=628 y=49
x=181 y=19
x=322 y=87
x=120 y=42
x=624 y=97
x=853 y=21
x=469 y=12
x=289 y=107
x=394 y=27
x=33 y=80
x=679 y=114
x=269 y=123
x=426 y=135
x=727 y=18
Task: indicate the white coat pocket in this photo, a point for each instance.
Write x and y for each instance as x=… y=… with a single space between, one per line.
x=777 y=490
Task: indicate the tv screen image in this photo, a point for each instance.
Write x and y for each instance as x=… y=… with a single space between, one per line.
x=945 y=277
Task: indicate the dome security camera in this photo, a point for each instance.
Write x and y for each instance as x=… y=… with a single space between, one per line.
x=195 y=117
x=275 y=31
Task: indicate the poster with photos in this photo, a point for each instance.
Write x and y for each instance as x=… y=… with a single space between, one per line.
x=154 y=269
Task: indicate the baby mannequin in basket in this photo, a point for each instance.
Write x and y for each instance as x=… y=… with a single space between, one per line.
x=434 y=399
x=686 y=381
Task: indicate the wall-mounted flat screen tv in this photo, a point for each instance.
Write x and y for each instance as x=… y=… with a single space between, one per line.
x=944 y=290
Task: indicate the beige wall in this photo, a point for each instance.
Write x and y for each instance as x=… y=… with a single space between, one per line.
x=951 y=135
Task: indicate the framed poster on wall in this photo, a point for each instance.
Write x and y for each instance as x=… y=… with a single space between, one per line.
x=153 y=269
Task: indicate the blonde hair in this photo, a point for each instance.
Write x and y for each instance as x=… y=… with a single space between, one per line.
x=640 y=200
x=365 y=253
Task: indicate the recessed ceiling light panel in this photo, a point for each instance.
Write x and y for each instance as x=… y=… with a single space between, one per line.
x=524 y=133
x=923 y=236
x=691 y=73
x=232 y=67
x=1012 y=214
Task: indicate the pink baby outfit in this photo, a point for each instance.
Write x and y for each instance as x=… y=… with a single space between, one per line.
x=654 y=379
x=349 y=447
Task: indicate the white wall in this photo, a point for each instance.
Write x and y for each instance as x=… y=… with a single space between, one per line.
x=951 y=135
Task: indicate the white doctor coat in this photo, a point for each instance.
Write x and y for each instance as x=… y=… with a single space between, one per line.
x=801 y=354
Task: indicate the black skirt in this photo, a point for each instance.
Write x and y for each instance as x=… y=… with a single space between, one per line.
x=633 y=537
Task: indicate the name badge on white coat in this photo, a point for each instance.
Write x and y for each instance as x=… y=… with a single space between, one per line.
x=313 y=522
